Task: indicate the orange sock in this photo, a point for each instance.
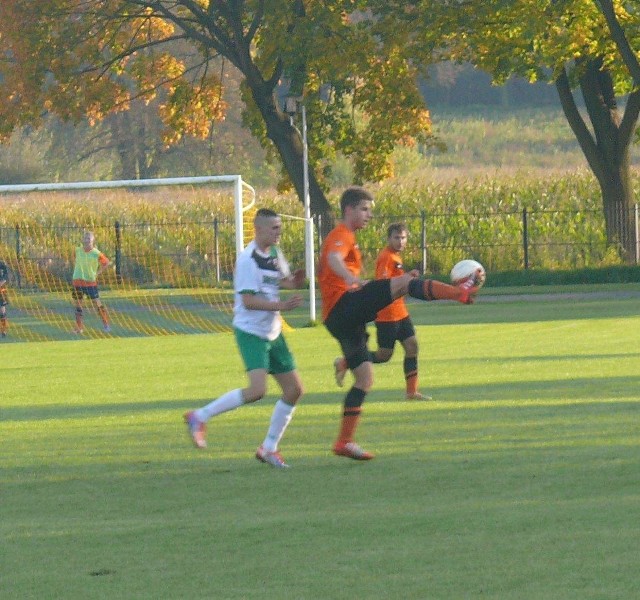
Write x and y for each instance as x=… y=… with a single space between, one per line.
x=443 y=291
x=3 y=325
x=350 y=419
x=351 y=414
x=103 y=315
x=412 y=383
x=432 y=289
x=411 y=374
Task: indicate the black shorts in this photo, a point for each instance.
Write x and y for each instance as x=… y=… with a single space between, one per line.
x=390 y=332
x=347 y=321
x=85 y=290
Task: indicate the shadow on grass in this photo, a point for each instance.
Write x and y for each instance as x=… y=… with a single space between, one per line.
x=581 y=390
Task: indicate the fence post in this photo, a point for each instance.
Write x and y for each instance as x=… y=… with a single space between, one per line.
x=525 y=237
x=118 y=257
x=18 y=253
x=216 y=248
x=423 y=240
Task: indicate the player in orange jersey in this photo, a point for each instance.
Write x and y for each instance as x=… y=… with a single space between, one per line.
x=350 y=302
x=393 y=323
x=4 y=275
x=89 y=263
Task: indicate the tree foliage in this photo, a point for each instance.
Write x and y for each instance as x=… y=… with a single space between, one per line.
x=91 y=58
x=586 y=48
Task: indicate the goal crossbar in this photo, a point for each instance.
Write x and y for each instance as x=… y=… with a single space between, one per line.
x=236 y=180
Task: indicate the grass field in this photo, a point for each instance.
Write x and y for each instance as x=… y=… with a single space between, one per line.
x=520 y=480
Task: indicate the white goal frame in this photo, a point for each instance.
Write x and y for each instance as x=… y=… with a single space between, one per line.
x=238 y=186
x=239 y=207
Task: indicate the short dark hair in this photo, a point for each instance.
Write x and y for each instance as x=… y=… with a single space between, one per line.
x=352 y=197
x=265 y=213
x=396 y=228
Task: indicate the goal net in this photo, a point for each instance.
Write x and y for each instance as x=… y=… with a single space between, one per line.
x=172 y=245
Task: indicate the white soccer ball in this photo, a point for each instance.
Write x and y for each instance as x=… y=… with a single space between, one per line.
x=465 y=269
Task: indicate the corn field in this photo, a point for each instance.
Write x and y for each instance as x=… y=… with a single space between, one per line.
x=187 y=240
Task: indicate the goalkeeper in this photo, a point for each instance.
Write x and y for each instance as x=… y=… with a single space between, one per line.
x=89 y=263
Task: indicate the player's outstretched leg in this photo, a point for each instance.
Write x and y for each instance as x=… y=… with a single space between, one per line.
x=431 y=289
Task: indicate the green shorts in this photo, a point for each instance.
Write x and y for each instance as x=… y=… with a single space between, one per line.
x=258 y=353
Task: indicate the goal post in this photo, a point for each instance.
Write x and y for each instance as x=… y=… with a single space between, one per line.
x=173 y=273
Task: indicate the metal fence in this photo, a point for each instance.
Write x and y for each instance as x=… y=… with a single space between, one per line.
x=187 y=254
x=502 y=241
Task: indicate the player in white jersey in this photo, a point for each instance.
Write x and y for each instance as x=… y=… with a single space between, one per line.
x=261 y=270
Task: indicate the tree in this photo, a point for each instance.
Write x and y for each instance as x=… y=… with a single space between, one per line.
x=578 y=45
x=60 y=64
x=93 y=57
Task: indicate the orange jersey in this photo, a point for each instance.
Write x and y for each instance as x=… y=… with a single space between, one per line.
x=389 y=265
x=332 y=287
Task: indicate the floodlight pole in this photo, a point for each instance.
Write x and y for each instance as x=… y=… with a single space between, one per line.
x=292 y=104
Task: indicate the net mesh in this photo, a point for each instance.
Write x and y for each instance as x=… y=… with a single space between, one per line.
x=172 y=253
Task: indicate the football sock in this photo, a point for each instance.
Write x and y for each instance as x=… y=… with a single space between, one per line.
x=224 y=403
x=3 y=324
x=431 y=289
x=351 y=414
x=103 y=315
x=280 y=418
x=79 y=323
x=410 y=366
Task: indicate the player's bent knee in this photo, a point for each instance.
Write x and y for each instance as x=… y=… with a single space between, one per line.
x=363 y=379
x=292 y=396
x=384 y=357
x=411 y=348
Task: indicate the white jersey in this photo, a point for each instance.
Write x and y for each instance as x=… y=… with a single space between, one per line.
x=260 y=274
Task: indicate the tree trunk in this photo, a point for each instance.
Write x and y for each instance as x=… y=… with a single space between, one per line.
x=120 y=131
x=288 y=143
x=607 y=149
x=617 y=196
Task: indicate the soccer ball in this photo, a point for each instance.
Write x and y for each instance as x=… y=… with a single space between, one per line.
x=467 y=268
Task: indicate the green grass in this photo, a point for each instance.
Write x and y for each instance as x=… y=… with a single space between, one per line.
x=519 y=481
